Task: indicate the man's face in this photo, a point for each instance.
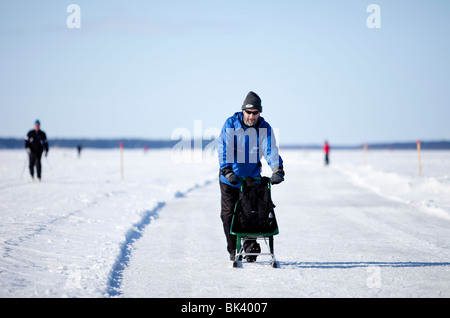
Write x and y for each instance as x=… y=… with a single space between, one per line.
x=36 y=127
x=250 y=116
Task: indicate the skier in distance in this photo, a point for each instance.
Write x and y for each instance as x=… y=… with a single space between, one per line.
x=35 y=144
x=326 y=150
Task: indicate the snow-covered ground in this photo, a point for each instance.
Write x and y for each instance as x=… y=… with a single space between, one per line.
x=366 y=226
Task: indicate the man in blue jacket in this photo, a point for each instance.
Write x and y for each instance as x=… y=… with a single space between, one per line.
x=245 y=138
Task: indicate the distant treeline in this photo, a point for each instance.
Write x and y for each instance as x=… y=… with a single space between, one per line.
x=17 y=143
x=424 y=145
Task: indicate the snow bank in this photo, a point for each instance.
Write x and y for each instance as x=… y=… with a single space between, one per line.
x=395 y=175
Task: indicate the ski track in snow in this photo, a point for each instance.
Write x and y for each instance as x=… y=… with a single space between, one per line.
x=349 y=230
x=134 y=234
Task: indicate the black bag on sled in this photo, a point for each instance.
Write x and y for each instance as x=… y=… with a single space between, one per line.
x=254 y=212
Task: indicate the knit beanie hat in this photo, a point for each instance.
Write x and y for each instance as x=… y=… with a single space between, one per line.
x=252 y=101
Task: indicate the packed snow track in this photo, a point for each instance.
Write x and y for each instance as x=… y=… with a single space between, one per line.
x=361 y=227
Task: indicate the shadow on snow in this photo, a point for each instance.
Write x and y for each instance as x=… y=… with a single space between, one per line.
x=334 y=265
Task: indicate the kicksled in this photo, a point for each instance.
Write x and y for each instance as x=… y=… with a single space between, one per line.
x=254 y=221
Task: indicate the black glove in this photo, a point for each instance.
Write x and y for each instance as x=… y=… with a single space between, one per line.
x=228 y=173
x=277 y=176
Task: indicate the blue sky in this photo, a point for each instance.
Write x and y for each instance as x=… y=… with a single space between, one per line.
x=144 y=68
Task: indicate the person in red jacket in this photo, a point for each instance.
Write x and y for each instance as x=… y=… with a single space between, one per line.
x=326 y=149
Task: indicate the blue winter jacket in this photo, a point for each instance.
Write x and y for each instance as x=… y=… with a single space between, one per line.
x=241 y=148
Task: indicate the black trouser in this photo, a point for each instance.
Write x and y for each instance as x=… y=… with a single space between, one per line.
x=35 y=160
x=230 y=196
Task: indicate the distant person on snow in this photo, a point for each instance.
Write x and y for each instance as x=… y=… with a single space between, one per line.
x=326 y=150
x=35 y=144
x=245 y=138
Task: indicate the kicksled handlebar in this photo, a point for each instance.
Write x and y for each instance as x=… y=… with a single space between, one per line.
x=269 y=180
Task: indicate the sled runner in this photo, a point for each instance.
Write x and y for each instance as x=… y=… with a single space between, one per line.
x=254 y=220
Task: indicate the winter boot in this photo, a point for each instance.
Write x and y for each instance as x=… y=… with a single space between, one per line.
x=251 y=247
